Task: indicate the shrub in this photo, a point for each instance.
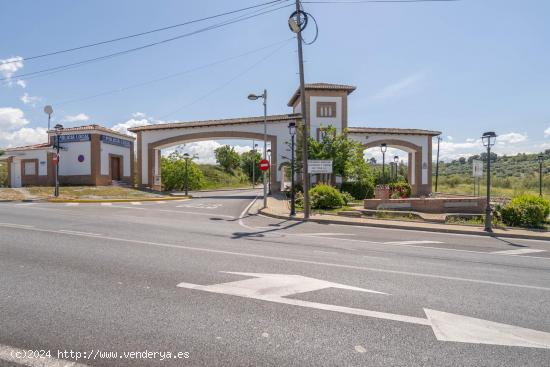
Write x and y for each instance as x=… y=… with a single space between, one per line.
x=359 y=189
x=526 y=211
x=325 y=197
x=400 y=190
x=348 y=198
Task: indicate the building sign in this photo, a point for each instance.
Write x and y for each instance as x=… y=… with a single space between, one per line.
x=319 y=166
x=74 y=138
x=477 y=168
x=116 y=141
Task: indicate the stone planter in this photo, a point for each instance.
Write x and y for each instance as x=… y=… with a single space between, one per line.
x=382 y=192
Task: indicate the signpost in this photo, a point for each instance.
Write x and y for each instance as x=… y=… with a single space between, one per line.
x=477 y=173
x=317 y=166
x=264 y=165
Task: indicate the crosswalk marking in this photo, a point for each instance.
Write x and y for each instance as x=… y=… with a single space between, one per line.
x=520 y=251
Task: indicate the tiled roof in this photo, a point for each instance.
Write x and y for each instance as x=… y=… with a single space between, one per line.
x=321 y=86
x=383 y=130
x=29 y=147
x=76 y=129
x=242 y=120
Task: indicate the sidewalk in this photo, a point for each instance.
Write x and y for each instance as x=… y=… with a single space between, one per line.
x=278 y=207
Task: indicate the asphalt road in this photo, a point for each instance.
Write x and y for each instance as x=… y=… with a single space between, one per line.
x=97 y=279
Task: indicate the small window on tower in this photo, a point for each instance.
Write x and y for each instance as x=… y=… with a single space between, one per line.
x=326 y=109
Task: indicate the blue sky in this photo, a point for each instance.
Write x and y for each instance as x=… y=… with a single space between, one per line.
x=460 y=67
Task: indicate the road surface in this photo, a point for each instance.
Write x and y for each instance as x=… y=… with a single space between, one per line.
x=104 y=281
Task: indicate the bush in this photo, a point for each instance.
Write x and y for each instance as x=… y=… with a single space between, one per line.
x=359 y=189
x=348 y=198
x=325 y=197
x=526 y=211
x=400 y=190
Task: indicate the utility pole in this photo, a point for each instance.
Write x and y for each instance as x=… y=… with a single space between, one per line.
x=305 y=128
x=437 y=166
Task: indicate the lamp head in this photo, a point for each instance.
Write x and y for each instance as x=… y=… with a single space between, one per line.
x=540 y=158
x=396 y=159
x=253 y=97
x=48 y=110
x=292 y=128
x=58 y=128
x=186 y=156
x=489 y=138
x=383 y=147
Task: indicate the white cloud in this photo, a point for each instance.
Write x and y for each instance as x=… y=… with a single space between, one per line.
x=9 y=66
x=450 y=138
x=511 y=138
x=395 y=89
x=124 y=126
x=390 y=154
x=547 y=132
x=21 y=83
x=77 y=118
x=11 y=118
x=23 y=136
x=30 y=100
x=139 y=115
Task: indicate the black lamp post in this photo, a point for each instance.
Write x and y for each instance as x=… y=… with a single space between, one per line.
x=254 y=97
x=395 y=161
x=540 y=158
x=489 y=138
x=58 y=128
x=383 y=148
x=292 y=132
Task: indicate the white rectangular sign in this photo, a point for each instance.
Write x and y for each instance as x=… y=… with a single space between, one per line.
x=315 y=166
x=477 y=168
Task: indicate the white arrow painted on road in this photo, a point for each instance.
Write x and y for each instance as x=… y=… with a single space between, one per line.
x=446 y=326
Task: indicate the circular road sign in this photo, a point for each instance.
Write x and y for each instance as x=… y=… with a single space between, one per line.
x=264 y=164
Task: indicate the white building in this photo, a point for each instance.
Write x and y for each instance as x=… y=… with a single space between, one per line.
x=89 y=155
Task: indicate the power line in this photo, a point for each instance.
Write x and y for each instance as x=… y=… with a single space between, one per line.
x=142 y=33
x=52 y=70
x=170 y=76
x=227 y=82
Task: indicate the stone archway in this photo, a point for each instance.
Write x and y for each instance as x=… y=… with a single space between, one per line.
x=154 y=151
x=418 y=187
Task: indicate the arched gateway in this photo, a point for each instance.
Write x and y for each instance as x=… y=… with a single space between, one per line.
x=327 y=105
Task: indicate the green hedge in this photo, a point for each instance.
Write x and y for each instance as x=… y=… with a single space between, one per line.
x=325 y=197
x=359 y=190
x=526 y=211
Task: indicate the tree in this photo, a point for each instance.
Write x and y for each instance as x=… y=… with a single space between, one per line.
x=227 y=158
x=173 y=173
x=250 y=161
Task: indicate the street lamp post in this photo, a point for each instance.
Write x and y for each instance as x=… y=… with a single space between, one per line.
x=254 y=97
x=395 y=161
x=540 y=159
x=292 y=132
x=58 y=128
x=187 y=157
x=488 y=139
x=253 y=164
x=383 y=148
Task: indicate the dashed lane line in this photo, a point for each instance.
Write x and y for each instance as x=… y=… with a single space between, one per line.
x=286 y=259
x=518 y=251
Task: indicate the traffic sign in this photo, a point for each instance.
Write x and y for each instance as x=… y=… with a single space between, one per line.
x=264 y=165
x=315 y=166
x=55 y=159
x=477 y=168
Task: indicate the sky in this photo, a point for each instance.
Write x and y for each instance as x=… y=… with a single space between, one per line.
x=461 y=67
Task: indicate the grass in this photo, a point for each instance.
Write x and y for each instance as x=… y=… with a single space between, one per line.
x=10 y=194
x=467 y=189
x=91 y=192
x=216 y=178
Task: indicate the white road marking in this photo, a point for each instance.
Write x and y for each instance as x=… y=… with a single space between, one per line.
x=410 y=242
x=79 y=232
x=196 y=213
x=327 y=234
x=72 y=204
x=520 y=251
x=360 y=349
x=18 y=356
x=135 y=202
x=446 y=326
x=287 y=259
x=127 y=207
x=106 y=204
x=25 y=204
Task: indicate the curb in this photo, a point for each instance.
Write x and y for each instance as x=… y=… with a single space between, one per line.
x=221 y=190
x=396 y=226
x=115 y=200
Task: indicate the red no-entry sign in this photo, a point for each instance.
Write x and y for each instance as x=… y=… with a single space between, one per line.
x=264 y=164
x=55 y=159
